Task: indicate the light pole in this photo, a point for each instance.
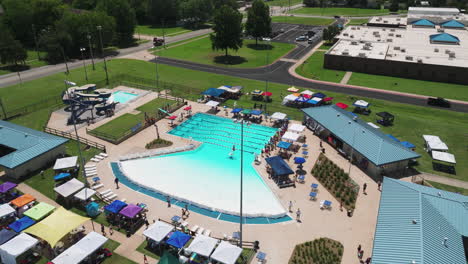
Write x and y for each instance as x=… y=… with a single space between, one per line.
x=91 y=50
x=84 y=63
x=65 y=60
x=241 y=180
x=35 y=42
x=99 y=28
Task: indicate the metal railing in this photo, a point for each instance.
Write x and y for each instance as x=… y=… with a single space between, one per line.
x=72 y=136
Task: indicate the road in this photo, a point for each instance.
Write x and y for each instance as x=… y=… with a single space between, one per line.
x=35 y=73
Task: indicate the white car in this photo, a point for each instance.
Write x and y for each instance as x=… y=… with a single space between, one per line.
x=266 y=39
x=301 y=38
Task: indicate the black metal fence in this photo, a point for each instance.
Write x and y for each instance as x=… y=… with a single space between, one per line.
x=73 y=137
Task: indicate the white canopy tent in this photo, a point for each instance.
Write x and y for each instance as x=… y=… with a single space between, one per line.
x=5 y=210
x=434 y=143
x=84 y=194
x=278 y=116
x=288 y=98
x=290 y=136
x=308 y=92
x=65 y=163
x=158 y=231
x=212 y=103
x=296 y=128
x=293 y=89
x=203 y=245
x=234 y=89
x=316 y=99
x=70 y=187
x=81 y=250
x=443 y=156
x=361 y=103
x=15 y=247
x=226 y=253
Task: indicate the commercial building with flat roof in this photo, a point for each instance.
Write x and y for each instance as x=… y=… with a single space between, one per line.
x=419 y=224
x=370 y=149
x=24 y=150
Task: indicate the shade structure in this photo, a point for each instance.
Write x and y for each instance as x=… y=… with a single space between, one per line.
x=278 y=116
x=178 y=239
x=173 y=117
x=296 y=128
x=115 y=206
x=187 y=108
x=226 y=253
x=444 y=156
x=290 y=136
x=203 y=245
x=256 y=112
x=301 y=99
x=231 y=89
x=299 y=160
x=6 y=186
x=213 y=92
x=279 y=166
x=81 y=250
x=61 y=176
x=342 y=105
x=65 y=163
x=168 y=258
x=21 y=224
x=283 y=145
x=292 y=89
x=246 y=111
x=130 y=210
x=212 y=103
x=289 y=98
x=308 y=96
x=236 y=110
x=392 y=137
x=158 y=231
x=84 y=194
x=54 y=227
x=435 y=143
x=6 y=235
x=69 y=188
x=6 y=210
x=407 y=144
x=23 y=200
x=361 y=104
x=267 y=93
x=307 y=92
x=319 y=95
x=92 y=209
x=315 y=100
x=256 y=92
x=327 y=99
x=39 y=211
x=15 y=247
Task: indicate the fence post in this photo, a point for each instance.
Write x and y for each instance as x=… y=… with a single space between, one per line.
x=3 y=109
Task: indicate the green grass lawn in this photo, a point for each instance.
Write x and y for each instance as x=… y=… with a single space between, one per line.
x=313 y=68
x=325 y=46
x=159 y=31
x=283 y=3
x=32 y=61
x=115 y=258
x=411 y=122
x=358 y=21
x=448 y=188
x=249 y=56
x=336 y=11
x=142 y=248
x=314 y=21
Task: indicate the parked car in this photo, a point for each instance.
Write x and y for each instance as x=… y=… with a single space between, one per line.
x=301 y=38
x=158 y=42
x=311 y=41
x=439 y=101
x=266 y=39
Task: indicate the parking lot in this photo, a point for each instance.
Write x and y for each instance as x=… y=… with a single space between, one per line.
x=288 y=33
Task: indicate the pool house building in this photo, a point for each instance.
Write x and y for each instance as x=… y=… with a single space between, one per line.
x=24 y=150
x=370 y=149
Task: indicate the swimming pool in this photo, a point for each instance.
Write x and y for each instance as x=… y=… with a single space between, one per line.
x=122 y=97
x=208 y=177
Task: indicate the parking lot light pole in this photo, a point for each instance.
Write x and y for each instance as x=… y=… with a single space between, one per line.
x=91 y=50
x=84 y=63
x=99 y=28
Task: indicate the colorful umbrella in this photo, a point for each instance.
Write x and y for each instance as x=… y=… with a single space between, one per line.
x=342 y=106
x=299 y=160
x=256 y=92
x=172 y=117
x=267 y=93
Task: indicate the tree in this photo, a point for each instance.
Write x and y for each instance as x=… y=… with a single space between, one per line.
x=394 y=6
x=219 y=3
x=227 y=29
x=124 y=17
x=258 y=20
x=330 y=32
x=11 y=50
x=46 y=13
x=163 y=12
x=84 y=4
x=18 y=17
x=141 y=10
x=53 y=42
x=196 y=12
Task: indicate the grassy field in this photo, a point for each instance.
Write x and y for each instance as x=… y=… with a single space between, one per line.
x=411 y=122
x=313 y=68
x=314 y=21
x=249 y=56
x=176 y=43
x=159 y=31
x=142 y=248
x=115 y=258
x=448 y=188
x=357 y=21
x=32 y=61
x=335 y=11
x=283 y=2
x=325 y=47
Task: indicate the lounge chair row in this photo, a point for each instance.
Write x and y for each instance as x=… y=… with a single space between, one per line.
x=99 y=157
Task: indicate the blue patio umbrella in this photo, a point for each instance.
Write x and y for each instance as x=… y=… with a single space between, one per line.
x=256 y=112
x=299 y=160
x=178 y=239
x=407 y=144
x=319 y=95
x=236 y=110
x=21 y=224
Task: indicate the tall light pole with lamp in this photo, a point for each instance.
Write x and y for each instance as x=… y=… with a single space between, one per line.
x=241 y=181
x=99 y=28
x=91 y=50
x=84 y=63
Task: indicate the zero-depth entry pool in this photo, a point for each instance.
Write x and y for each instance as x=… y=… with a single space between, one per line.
x=122 y=97
x=208 y=178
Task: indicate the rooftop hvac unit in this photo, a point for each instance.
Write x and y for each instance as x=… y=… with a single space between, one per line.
x=366 y=48
x=389 y=40
x=436 y=50
x=398 y=19
x=410 y=58
x=385 y=21
x=358 y=28
x=368 y=44
x=398 y=35
x=345 y=34
x=440 y=30
x=452 y=55
x=420 y=60
x=383 y=29
x=352 y=36
x=396 y=48
x=362 y=55
x=392 y=30
x=354 y=42
x=403 y=50
x=345 y=52
x=447 y=51
x=391 y=34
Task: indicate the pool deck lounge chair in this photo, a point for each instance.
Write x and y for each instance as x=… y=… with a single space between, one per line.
x=325 y=204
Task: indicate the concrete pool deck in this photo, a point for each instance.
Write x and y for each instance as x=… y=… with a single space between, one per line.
x=277 y=240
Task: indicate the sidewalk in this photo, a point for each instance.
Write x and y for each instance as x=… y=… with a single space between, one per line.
x=441 y=179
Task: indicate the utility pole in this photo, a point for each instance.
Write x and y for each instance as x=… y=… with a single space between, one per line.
x=164 y=32
x=65 y=60
x=84 y=63
x=91 y=50
x=35 y=42
x=99 y=28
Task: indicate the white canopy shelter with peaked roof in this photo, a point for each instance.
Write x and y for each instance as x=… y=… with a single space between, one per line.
x=203 y=245
x=81 y=250
x=290 y=136
x=70 y=187
x=84 y=194
x=226 y=253
x=15 y=247
x=296 y=128
x=308 y=92
x=288 y=98
x=158 y=231
x=212 y=103
x=6 y=209
x=66 y=163
x=278 y=116
x=435 y=143
x=443 y=156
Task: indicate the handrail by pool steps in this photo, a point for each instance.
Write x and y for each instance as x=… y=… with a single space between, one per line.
x=156 y=152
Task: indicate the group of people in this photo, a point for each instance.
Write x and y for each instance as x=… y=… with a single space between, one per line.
x=360 y=253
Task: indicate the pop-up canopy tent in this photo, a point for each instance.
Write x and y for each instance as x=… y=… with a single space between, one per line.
x=203 y=245
x=226 y=253
x=158 y=231
x=213 y=92
x=115 y=206
x=290 y=136
x=212 y=103
x=279 y=166
x=21 y=224
x=178 y=239
x=296 y=128
x=57 y=225
x=6 y=235
x=81 y=250
x=434 y=143
x=16 y=247
x=6 y=210
x=278 y=116
x=84 y=194
x=39 y=211
x=66 y=163
x=6 y=186
x=23 y=200
x=444 y=156
x=69 y=188
x=130 y=211
x=361 y=104
x=289 y=98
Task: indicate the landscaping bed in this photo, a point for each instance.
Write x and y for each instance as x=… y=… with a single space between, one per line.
x=158 y=143
x=336 y=181
x=319 y=251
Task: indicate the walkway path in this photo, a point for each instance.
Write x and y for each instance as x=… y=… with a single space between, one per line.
x=443 y=180
x=346 y=77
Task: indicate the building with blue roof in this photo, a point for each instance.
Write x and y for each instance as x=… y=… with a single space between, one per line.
x=453 y=24
x=423 y=23
x=369 y=148
x=24 y=150
x=420 y=225
x=444 y=38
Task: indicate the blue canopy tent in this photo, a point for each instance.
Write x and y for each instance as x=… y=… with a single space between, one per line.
x=392 y=137
x=236 y=110
x=256 y=112
x=283 y=145
x=92 y=209
x=299 y=160
x=301 y=99
x=6 y=235
x=407 y=144
x=61 y=176
x=178 y=239
x=115 y=206
x=319 y=95
x=215 y=92
x=314 y=102
x=279 y=166
x=21 y=224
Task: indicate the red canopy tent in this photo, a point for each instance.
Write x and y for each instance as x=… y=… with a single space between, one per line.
x=187 y=108
x=327 y=99
x=342 y=106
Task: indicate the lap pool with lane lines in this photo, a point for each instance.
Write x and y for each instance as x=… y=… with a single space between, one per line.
x=208 y=178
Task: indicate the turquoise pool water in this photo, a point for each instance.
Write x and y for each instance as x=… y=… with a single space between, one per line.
x=208 y=178
x=122 y=97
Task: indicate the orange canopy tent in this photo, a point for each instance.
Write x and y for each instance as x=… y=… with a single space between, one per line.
x=23 y=200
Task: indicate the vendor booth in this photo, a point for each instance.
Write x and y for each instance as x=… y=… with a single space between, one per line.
x=158 y=231
x=112 y=211
x=279 y=171
x=434 y=143
x=66 y=163
x=132 y=218
x=386 y=118
x=66 y=190
x=200 y=248
x=84 y=251
x=178 y=239
x=7 y=192
x=7 y=214
x=21 y=224
x=23 y=203
x=39 y=211
x=444 y=162
x=20 y=249
x=226 y=253
x=6 y=235
x=290 y=136
x=362 y=107
x=83 y=197
x=232 y=92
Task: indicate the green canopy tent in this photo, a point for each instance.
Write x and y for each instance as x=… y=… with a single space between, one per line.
x=39 y=211
x=168 y=258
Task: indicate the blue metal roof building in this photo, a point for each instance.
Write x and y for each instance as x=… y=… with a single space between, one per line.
x=419 y=224
x=452 y=24
x=21 y=144
x=444 y=38
x=423 y=23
